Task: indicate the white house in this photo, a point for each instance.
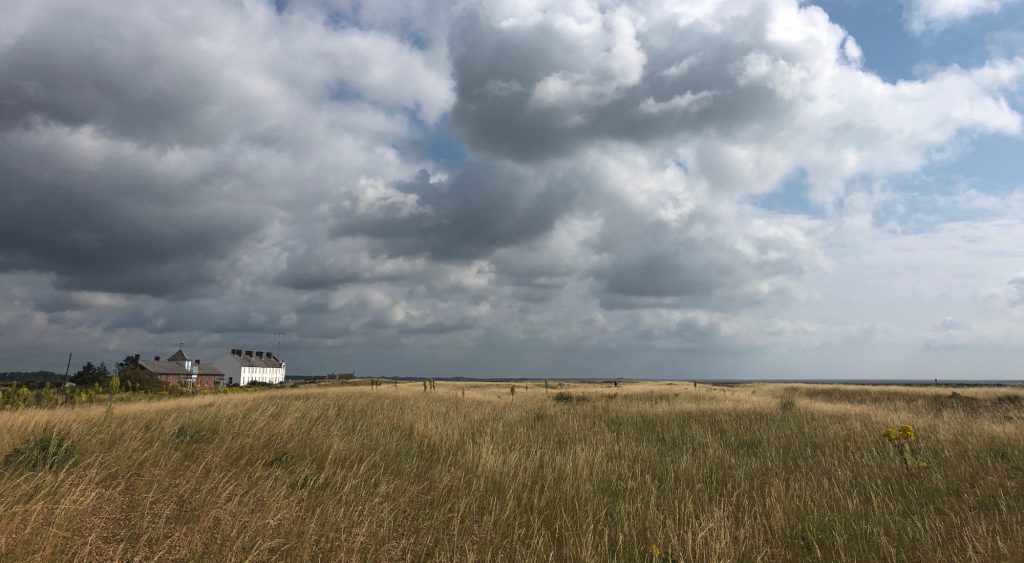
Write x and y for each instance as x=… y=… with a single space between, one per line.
x=244 y=367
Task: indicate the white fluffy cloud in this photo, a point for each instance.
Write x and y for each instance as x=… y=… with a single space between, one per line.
x=939 y=14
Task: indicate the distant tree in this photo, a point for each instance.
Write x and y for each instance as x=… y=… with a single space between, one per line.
x=127 y=363
x=26 y=376
x=91 y=375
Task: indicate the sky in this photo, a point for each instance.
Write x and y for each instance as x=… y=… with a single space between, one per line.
x=570 y=188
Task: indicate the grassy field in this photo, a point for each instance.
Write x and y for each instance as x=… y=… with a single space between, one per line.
x=638 y=472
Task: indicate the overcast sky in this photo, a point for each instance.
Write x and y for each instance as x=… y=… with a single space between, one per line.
x=714 y=188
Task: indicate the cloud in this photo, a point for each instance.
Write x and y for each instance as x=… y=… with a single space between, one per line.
x=484 y=207
x=149 y=155
x=228 y=170
x=936 y=15
x=105 y=216
x=746 y=92
x=202 y=73
x=1016 y=284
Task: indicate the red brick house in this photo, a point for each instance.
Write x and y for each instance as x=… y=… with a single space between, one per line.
x=180 y=369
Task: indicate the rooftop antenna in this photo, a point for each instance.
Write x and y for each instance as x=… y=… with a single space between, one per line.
x=279 y=335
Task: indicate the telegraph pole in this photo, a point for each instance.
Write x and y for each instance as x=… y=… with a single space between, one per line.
x=67 y=370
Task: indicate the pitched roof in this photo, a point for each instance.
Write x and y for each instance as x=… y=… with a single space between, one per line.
x=163 y=367
x=209 y=369
x=179 y=356
x=174 y=368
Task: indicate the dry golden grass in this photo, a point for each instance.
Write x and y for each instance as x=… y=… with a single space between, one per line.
x=644 y=471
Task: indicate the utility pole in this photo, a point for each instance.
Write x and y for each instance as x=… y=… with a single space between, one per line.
x=67 y=370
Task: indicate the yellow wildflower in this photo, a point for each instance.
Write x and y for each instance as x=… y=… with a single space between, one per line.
x=907 y=432
x=889 y=433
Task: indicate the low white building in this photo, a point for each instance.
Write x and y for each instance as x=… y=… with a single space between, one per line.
x=244 y=367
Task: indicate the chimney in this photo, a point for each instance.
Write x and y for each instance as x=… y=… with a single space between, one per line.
x=259 y=354
x=197 y=362
x=137 y=356
x=236 y=351
x=156 y=358
x=248 y=353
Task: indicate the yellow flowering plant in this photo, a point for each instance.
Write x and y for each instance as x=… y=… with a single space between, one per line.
x=659 y=555
x=904 y=440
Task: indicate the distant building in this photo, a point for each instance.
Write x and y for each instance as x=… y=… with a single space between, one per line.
x=244 y=367
x=180 y=369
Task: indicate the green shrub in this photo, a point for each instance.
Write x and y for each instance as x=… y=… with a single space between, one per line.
x=279 y=459
x=568 y=398
x=180 y=434
x=1010 y=400
x=787 y=404
x=140 y=380
x=40 y=453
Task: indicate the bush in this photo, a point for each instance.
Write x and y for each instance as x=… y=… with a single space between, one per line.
x=280 y=459
x=185 y=435
x=787 y=404
x=180 y=434
x=1010 y=400
x=140 y=380
x=39 y=453
x=568 y=398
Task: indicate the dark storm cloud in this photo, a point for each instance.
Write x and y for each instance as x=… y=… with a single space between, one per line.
x=215 y=316
x=703 y=261
x=93 y=186
x=484 y=207
x=83 y=66
x=113 y=224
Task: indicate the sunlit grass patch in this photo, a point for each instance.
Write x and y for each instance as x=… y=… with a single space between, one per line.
x=361 y=472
